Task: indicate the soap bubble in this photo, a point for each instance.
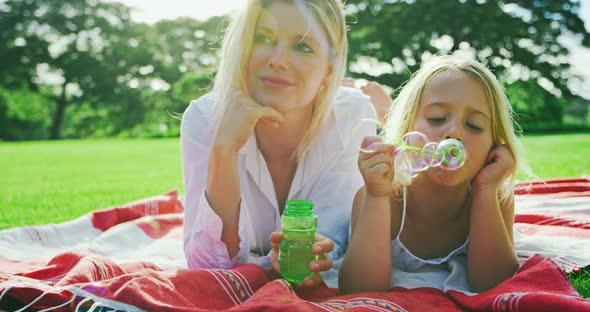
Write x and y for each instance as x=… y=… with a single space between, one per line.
x=454 y=154
x=416 y=154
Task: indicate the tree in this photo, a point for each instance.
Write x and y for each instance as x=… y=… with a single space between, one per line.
x=517 y=39
x=24 y=115
x=534 y=107
x=93 y=51
x=190 y=45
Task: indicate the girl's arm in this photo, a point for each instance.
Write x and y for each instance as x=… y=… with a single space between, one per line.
x=367 y=263
x=491 y=255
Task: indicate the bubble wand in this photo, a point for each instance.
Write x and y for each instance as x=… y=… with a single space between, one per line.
x=416 y=153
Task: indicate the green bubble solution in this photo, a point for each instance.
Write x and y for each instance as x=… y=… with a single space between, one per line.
x=299 y=226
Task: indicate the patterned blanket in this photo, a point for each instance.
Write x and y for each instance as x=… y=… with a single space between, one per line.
x=130 y=258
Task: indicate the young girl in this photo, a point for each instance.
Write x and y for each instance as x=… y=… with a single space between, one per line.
x=454 y=230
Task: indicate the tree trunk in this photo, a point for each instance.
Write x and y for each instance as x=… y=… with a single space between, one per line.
x=55 y=133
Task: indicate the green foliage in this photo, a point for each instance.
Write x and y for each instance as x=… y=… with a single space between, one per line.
x=86 y=121
x=165 y=108
x=190 y=87
x=190 y=45
x=114 y=77
x=515 y=39
x=96 y=53
x=535 y=108
x=24 y=115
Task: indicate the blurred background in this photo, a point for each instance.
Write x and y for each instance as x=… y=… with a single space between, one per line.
x=91 y=91
x=93 y=69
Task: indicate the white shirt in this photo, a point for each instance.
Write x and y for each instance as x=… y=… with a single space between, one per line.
x=327 y=175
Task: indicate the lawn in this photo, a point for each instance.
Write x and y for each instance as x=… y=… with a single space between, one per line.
x=44 y=182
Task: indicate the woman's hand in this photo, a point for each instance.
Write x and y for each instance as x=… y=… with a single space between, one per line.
x=499 y=165
x=321 y=247
x=376 y=165
x=240 y=118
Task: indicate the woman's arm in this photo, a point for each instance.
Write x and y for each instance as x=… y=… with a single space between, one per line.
x=203 y=226
x=223 y=194
x=223 y=182
x=211 y=179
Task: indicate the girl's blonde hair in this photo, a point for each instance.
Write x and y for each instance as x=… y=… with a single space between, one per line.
x=237 y=46
x=403 y=112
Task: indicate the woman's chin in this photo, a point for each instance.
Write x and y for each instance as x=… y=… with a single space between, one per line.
x=269 y=101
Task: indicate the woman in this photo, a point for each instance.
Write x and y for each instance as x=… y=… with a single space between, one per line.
x=276 y=127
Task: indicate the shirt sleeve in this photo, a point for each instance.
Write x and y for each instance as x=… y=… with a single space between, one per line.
x=203 y=247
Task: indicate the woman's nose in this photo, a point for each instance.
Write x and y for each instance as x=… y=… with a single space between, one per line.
x=279 y=59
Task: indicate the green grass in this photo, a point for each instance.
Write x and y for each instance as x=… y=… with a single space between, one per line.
x=559 y=156
x=44 y=182
x=555 y=156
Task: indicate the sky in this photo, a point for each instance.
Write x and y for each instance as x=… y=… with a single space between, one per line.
x=150 y=11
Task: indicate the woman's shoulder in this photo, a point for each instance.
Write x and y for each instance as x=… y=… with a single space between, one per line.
x=197 y=116
x=354 y=104
x=204 y=106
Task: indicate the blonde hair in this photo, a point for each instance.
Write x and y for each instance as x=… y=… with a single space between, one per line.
x=237 y=46
x=404 y=109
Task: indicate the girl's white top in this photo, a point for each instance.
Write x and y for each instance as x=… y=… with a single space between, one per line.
x=327 y=175
x=445 y=273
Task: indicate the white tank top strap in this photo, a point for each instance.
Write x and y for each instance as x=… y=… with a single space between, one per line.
x=401 y=225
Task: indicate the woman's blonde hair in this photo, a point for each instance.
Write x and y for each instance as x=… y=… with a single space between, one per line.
x=402 y=115
x=237 y=46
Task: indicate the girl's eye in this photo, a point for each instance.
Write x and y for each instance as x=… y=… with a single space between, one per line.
x=302 y=47
x=474 y=127
x=437 y=120
x=260 y=38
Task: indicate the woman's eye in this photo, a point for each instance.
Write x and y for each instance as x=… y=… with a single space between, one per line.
x=437 y=120
x=302 y=47
x=260 y=38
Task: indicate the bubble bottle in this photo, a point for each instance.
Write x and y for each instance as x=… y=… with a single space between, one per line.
x=299 y=226
x=416 y=154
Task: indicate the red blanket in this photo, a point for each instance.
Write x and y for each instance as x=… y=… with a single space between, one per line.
x=130 y=258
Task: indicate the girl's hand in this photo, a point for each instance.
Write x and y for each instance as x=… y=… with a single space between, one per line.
x=322 y=263
x=499 y=165
x=376 y=165
x=240 y=118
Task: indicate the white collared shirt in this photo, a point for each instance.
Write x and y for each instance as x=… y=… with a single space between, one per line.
x=327 y=175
